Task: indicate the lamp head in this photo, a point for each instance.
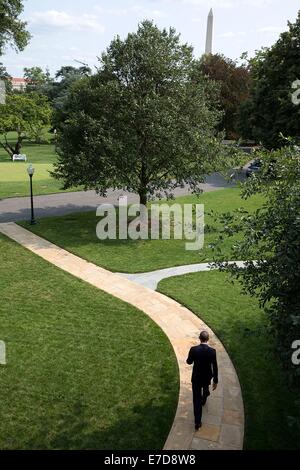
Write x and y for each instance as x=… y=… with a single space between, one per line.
x=30 y=170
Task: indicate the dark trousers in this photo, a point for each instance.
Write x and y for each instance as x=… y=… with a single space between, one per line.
x=200 y=395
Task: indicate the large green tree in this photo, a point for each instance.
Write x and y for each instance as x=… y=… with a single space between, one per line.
x=27 y=115
x=58 y=89
x=12 y=29
x=270 y=111
x=269 y=240
x=36 y=78
x=234 y=81
x=142 y=123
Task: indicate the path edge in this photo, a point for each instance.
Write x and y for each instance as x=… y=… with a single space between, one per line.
x=223 y=427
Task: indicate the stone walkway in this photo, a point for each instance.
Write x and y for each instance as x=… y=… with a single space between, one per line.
x=223 y=419
x=152 y=279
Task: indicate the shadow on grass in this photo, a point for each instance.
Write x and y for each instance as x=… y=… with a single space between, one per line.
x=138 y=428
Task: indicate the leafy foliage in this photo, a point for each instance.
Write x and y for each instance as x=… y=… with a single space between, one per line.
x=271 y=237
x=27 y=114
x=59 y=88
x=234 y=81
x=142 y=123
x=270 y=110
x=36 y=78
x=12 y=29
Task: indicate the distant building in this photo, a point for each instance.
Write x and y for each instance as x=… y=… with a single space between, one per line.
x=19 y=84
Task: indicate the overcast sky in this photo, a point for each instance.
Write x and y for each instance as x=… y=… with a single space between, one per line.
x=64 y=30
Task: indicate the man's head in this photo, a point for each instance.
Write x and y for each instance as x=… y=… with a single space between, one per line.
x=204 y=337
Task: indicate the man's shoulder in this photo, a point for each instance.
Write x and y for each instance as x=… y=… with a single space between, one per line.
x=212 y=350
x=205 y=349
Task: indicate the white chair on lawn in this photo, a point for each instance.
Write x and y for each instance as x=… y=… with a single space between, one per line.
x=19 y=158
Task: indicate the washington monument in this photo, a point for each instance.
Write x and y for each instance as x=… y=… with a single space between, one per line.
x=209 y=33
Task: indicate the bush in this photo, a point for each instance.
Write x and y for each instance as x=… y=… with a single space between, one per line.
x=271 y=237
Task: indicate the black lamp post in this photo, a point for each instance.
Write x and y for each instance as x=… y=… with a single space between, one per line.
x=30 y=171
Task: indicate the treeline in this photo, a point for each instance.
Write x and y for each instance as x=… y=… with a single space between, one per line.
x=32 y=111
x=254 y=95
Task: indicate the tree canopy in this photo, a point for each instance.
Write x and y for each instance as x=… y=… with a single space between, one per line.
x=142 y=122
x=58 y=89
x=270 y=111
x=27 y=115
x=269 y=240
x=12 y=29
x=36 y=78
x=234 y=81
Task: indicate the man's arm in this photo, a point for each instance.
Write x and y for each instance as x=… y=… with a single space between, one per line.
x=190 y=359
x=215 y=370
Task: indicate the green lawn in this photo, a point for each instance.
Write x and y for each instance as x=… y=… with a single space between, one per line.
x=77 y=233
x=241 y=326
x=84 y=371
x=14 y=178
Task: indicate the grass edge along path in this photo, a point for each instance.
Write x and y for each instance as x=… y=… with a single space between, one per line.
x=239 y=323
x=77 y=234
x=84 y=369
x=221 y=429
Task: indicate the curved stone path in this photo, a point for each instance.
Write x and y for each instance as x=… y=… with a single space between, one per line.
x=153 y=278
x=223 y=418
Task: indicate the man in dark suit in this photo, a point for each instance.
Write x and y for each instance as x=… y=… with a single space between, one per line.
x=205 y=369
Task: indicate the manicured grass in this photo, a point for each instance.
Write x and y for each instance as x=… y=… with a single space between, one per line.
x=14 y=177
x=84 y=370
x=14 y=181
x=241 y=326
x=77 y=233
x=36 y=153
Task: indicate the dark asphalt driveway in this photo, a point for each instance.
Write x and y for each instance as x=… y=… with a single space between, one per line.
x=15 y=209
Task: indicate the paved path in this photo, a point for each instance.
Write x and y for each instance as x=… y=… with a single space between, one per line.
x=223 y=419
x=13 y=209
x=152 y=279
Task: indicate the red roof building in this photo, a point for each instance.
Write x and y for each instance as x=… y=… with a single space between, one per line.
x=19 y=83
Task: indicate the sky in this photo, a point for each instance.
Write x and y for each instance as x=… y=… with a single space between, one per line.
x=66 y=31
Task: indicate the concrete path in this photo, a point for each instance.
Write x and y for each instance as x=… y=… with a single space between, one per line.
x=223 y=419
x=152 y=279
x=13 y=209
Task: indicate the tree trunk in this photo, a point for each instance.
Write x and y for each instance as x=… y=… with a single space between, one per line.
x=18 y=148
x=8 y=148
x=143 y=175
x=143 y=196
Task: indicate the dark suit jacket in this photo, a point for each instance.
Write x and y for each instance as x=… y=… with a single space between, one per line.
x=205 y=363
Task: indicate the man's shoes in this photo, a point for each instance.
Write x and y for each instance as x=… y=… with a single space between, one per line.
x=198 y=426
